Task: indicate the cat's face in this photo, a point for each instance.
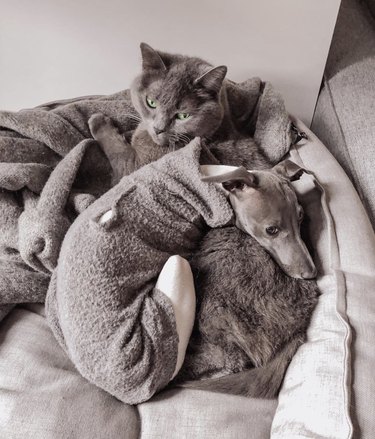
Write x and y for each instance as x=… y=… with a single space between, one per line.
x=178 y=97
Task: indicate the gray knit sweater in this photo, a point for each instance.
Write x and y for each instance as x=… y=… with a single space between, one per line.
x=102 y=304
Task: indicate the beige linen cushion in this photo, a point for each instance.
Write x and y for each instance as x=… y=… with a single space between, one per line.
x=316 y=400
x=42 y=396
x=196 y=414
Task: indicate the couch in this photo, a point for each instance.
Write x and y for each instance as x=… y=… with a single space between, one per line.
x=329 y=387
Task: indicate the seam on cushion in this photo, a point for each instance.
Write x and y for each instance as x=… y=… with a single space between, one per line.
x=340 y=308
x=345 y=143
x=340 y=304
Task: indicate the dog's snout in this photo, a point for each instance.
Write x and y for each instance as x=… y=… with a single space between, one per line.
x=311 y=274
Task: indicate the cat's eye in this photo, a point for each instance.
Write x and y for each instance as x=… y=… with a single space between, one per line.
x=182 y=116
x=151 y=103
x=272 y=230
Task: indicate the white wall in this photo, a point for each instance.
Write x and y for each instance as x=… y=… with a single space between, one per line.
x=53 y=49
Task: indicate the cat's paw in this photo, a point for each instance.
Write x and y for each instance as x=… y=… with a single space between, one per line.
x=99 y=125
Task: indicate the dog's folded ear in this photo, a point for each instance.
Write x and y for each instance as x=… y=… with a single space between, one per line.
x=289 y=170
x=235 y=179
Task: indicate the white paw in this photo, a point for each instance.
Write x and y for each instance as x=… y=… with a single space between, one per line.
x=106 y=217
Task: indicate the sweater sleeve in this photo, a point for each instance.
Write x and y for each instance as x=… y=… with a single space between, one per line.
x=117 y=328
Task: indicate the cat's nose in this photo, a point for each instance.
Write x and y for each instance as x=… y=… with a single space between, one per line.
x=159 y=130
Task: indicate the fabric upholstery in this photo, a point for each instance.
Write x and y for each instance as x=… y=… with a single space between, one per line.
x=328 y=388
x=42 y=396
x=195 y=414
x=345 y=114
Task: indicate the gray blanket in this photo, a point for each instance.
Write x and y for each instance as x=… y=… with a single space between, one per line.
x=36 y=215
x=37 y=208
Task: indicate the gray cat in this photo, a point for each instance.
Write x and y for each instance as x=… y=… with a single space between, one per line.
x=178 y=98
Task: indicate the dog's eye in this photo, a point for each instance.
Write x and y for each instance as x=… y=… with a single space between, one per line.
x=233 y=184
x=272 y=230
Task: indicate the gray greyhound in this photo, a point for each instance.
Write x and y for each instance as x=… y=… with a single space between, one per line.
x=251 y=318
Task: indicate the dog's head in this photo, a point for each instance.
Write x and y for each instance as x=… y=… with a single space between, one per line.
x=266 y=207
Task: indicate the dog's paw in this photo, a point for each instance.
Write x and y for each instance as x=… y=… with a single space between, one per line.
x=99 y=124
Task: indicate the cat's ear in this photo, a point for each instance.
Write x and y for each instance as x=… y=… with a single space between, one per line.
x=213 y=79
x=151 y=60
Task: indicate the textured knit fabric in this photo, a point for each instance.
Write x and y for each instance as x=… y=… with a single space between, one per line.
x=43 y=396
x=102 y=305
x=40 y=199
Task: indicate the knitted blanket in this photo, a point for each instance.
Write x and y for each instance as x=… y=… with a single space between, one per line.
x=41 y=194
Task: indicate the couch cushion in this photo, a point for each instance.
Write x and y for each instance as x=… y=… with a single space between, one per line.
x=345 y=114
x=41 y=394
x=195 y=414
x=328 y=389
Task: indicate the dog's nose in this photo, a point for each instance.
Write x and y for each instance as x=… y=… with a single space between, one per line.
x=159 y=130
x=311 y=274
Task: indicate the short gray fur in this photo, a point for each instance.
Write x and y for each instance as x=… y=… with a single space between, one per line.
x=250 y=314
x=184 y=84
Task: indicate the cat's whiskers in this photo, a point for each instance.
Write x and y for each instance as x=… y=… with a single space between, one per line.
x=184 y=138
x=133 y=117
x=173 y=139
x=185 y=135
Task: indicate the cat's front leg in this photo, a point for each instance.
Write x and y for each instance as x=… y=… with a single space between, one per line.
x=119 y=152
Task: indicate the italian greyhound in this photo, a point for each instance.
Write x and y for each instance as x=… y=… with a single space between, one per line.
x=266 y=207
x=251 y=319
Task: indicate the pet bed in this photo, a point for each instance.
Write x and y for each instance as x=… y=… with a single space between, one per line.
x=42 y=395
